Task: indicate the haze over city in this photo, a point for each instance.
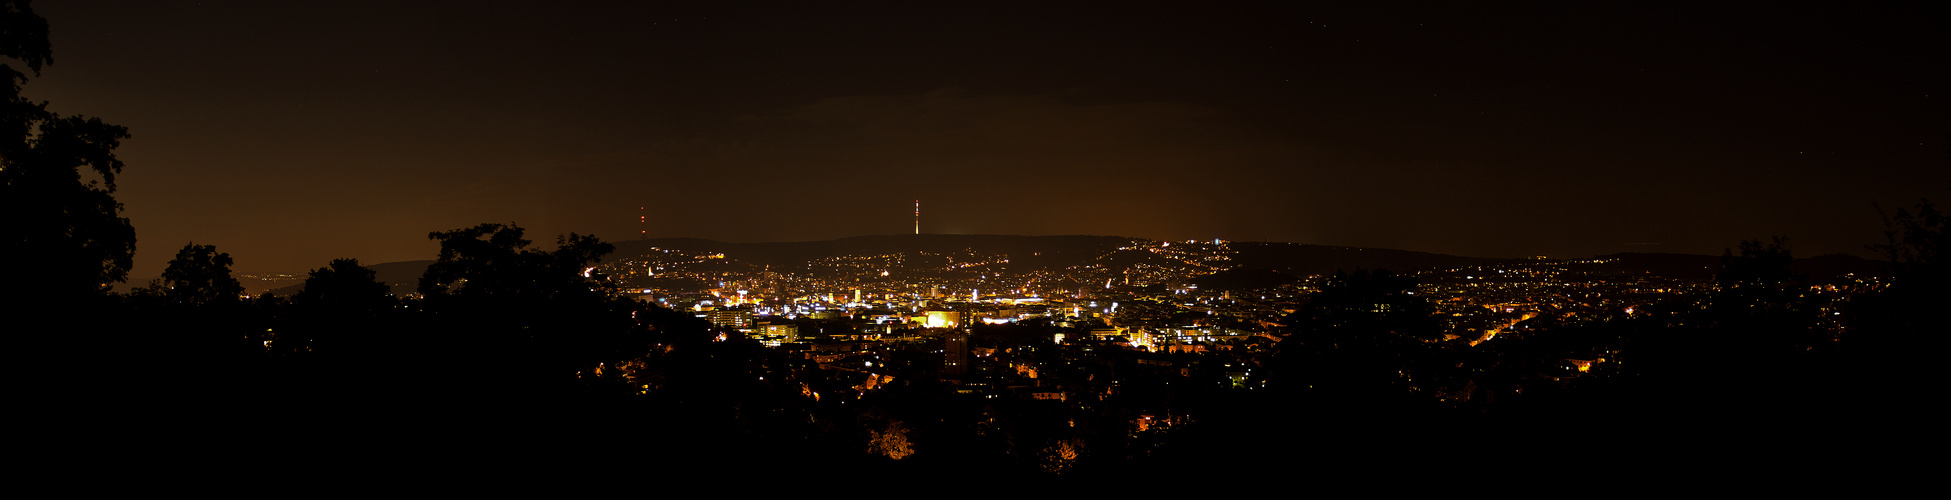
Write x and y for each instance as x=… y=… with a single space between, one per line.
x=291 y=134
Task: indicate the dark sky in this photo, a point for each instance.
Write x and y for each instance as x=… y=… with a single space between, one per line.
x=288 y=134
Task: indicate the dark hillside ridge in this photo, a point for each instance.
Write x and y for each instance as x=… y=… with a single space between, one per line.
x=1820 y=269
x=797 y=252
x=1303 y=259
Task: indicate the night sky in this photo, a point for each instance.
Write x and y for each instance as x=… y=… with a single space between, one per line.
x=290 y=134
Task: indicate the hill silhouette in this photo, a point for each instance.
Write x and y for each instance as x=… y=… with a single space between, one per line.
x=1242 y=279
x=1301 y=259
x=1821 y=268
x=1056 y=251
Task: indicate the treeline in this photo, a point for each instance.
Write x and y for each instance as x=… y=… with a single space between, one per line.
x=1764 y=373
x=507 y=353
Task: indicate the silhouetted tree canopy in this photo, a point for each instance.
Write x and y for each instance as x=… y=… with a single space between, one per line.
x=1916 y=239
x=1760 y=304
x=23 y=35
x=200 y=275
x=1362 y=336
x=493 y=260
x=62 y=232
x=1760 y=266
x=341 y=301
x=1899 y=331
x=343 y=286
x=531 y=315
x=1377 y=304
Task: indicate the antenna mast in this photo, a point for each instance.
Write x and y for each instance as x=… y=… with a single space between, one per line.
x=917 y=216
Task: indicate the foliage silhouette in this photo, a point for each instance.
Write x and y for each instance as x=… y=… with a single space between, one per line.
x=68 y=230
x=1895 y=335
x=1378 y=302
x=528 y=316
x=23 y=35
x=1356 y=349
x=1761 y=304
x=344 y=287
x=493 y=260
x=1916 y=240
x=200 y=275
x=342 y=306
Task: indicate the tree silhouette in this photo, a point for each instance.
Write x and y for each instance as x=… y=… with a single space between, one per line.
x=1895 y=335
x=200 y=275
x=1378 y=306
x=1759 y=267
x=1761 y=305
x=62 y=231
x=1916 y=237
x=493 y=260
x=1362 y=337
x=339 y=302
x=533 y=315
x=344 y=286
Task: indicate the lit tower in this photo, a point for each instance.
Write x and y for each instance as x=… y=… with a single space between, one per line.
x=917 y=216
x=651 y=268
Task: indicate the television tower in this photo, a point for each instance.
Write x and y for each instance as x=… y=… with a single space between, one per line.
x=641 y=232
x=917 y=216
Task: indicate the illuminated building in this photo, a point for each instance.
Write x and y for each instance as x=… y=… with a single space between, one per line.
x=774 y=333
x=944 y=319
x=955 y=354
x=734 y=318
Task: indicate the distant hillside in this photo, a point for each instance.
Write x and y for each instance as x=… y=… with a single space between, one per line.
x=1242 y=279
x=1032 y=252
x=1302 y=260
x=1256 y=264
x=1820 y=268
x=1671 y=265
x=1057 y=251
